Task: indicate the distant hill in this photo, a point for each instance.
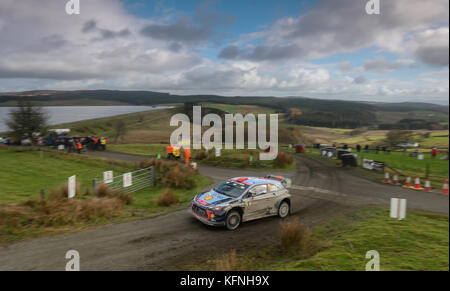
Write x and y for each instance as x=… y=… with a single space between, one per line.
x=315 y=112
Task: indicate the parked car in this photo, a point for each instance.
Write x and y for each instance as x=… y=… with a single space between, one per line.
x=242 y=199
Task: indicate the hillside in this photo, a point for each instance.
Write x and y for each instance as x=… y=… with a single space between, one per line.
x=314 y=112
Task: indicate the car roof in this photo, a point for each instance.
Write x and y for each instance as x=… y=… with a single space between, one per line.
x=255 y=180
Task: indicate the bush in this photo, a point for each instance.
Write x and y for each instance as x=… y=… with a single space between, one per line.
x=180 y=177
x=201 y=155
x=172 y=174
x=284 y=160
x=62 y=192
x=295 y=238
x=105 y=191
x=167 y=198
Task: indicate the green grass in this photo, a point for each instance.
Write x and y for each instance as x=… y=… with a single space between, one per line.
x=438 y=169
x=420 y=242
x=25 y=173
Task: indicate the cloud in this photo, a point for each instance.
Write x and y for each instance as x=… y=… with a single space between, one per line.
x=346 y=66
x=341 y=26
x=91 y=26
x=381 y=65
x=432 y=46
x=261 y=53
x=181 y=30
x=105 y=47
x=360 y=80
x=198 y=28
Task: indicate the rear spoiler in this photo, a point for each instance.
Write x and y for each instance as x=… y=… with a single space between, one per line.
x=286 y=182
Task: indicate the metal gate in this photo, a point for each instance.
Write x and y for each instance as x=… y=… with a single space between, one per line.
x=132 y=181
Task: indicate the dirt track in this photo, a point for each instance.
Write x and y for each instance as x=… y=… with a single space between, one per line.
x=319 y=193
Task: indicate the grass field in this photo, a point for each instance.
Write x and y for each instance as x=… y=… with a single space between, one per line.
x=420 y=242
x=24 y=173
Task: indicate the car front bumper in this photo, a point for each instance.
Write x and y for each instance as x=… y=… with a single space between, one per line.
x=207 y=221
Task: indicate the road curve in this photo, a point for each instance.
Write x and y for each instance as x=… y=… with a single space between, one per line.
x=169 y=241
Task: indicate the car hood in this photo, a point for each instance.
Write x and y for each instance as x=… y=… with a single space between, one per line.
x=212 y=198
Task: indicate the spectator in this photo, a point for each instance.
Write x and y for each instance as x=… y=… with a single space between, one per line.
x=434 y=153
x=358 y=148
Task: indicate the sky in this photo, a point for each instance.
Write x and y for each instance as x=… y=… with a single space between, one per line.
x=331 y=49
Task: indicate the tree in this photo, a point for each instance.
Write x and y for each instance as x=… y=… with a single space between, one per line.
x=119 y=129
x=395 y=137
x=26 y=120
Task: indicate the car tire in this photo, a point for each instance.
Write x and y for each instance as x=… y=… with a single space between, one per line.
x=233 y=220
x=284 y=209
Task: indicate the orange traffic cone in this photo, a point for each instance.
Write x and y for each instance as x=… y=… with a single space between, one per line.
x=428 y=185
x=408 y=182
x=395 y=180
x=417 y=185
x=387 y=178
x=445 y=187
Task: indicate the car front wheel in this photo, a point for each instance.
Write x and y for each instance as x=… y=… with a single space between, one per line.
x=284 y=209
x=233 y=220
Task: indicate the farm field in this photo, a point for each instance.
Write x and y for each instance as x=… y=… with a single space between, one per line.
x=27 y=173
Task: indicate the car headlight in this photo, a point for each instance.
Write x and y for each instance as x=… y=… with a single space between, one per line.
x=216 y=208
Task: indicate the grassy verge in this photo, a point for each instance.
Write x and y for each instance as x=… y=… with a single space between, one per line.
x=421 y=242
x=23 y=214
x=247 y=159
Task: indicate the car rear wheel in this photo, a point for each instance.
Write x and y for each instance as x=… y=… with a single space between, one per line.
x=284 y=209
x=233 y=220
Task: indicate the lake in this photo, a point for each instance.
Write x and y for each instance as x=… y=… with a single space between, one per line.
x=64 y=114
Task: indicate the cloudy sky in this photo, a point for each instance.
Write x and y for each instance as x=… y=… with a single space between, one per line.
x=326 y=48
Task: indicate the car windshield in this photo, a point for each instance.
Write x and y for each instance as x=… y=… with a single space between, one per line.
x=232 y=189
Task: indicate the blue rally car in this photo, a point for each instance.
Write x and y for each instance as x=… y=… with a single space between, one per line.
x=242 y=199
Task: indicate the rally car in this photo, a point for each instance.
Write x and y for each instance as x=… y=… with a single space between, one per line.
x=242 y=199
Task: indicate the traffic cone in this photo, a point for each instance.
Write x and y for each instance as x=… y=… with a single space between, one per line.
x=417 y=185
x=445 y=187
x=387 y=178
x=408 y=181
x=428 y=185
x=395 y=180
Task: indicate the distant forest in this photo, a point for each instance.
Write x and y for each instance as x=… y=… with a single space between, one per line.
x=310 y=112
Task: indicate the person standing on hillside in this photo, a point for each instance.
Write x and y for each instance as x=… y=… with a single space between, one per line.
x=170 y=152
x=187 y=155
x=78 y=146
x=434 y=153
x=366 y=148
x=176 y=153
x=358 y=148
x=96 y=141
x=103 y=143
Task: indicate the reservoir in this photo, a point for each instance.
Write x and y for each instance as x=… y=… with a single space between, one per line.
x=64 y=114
